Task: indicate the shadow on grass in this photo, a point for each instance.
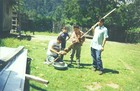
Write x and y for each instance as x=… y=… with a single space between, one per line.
x=26 y=86
x=85 y=66
x=22 y=37
x=37 y=88
x=88 y=66
x=106 y=70
x=62 y=69
x=82 y=65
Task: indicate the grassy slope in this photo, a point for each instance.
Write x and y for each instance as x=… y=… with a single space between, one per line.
x=121 y=63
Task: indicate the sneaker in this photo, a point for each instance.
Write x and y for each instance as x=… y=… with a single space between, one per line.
x=70 y=64
x=78 y=65
x=100 y=72
x=94 y=69
x=71 y=61
x=47 y=62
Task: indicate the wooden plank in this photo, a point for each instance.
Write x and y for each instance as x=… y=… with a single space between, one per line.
x=34 y=78
x=11 y=55
x=13 y=78
x=6 y=58
x=4 y=51
x=17 y=70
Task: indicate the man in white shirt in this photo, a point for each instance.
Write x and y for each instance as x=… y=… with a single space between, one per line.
x=54 y=50
x=97 y=45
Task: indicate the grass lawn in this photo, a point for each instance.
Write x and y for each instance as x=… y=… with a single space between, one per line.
x=121 y=64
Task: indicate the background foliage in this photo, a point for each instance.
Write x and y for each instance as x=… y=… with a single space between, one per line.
x=120 y=61
x=51 y=15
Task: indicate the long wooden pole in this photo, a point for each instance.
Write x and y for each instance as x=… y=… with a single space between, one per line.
x=40 y=80
x=97 y=22
x=69 y=48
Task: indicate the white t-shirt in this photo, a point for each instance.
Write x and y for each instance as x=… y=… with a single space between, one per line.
x=99 y=34
x=54 y=45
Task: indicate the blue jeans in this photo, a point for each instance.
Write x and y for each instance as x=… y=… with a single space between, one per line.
x=97 y=62
x=63 y=45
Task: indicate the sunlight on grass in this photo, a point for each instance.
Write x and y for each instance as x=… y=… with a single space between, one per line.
x=40 y=33
x=121 y=62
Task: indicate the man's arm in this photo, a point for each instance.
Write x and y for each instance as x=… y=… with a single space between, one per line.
x=93 y=27
x=58 y=52
x=53 y=50
x=68 y=37
x=103 y=44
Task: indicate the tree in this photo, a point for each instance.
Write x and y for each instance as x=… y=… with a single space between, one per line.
x=82 y=12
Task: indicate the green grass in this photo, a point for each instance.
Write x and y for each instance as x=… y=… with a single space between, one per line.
x=134 y=30
x=40 y=33
x=121 y=62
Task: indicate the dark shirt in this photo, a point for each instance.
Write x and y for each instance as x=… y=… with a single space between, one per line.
x=64 y=35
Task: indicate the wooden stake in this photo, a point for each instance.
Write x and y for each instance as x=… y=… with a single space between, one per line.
x=37 y=79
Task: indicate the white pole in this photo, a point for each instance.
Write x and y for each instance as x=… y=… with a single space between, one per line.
x=97 y=22
x=37 y=79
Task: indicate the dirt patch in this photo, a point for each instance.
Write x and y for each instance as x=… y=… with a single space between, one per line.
x=113 y=85
x=128 y=67
x=94 y=86
x=43 y=38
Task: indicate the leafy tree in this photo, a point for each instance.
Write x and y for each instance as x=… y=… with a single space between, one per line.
x=82 y=12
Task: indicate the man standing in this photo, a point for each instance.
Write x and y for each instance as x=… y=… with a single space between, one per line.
x=77 y=42
x=64 y=34
x=97 y=45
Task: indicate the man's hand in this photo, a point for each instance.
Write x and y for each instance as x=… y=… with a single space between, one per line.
x=66 y=49
x=93 y=27
x=102 y=49
x=75 y=41
x=62 y=53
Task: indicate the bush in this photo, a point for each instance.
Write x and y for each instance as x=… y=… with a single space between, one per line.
x=133 y=35
x=134 y=30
